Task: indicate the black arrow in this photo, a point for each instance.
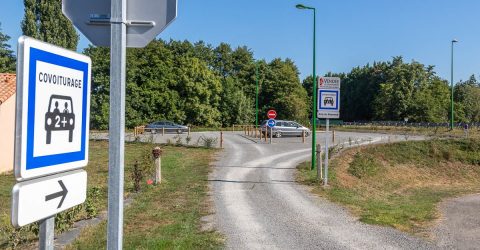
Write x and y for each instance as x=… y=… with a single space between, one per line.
x=62 y=194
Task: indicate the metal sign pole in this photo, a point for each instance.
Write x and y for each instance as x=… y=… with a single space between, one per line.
x=46 y=234
x=325 y=183
x=117 y=124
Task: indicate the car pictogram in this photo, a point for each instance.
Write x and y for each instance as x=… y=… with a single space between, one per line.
x=56 y=120
x=328 y=100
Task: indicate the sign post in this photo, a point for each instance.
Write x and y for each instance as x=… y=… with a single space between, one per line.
x=117 y=125
x=271 y=123
x=51 y=134
x=328 y=107
x=119 y=24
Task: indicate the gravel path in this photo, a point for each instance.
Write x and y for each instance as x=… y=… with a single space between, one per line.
x=259 y=205
x=460 y=226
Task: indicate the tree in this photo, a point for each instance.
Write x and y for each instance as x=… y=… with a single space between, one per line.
x=7 y=59
x=282 y=91
x=45 y=21
x=467 y=100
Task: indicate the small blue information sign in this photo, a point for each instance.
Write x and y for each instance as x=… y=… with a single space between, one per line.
x=271 y=123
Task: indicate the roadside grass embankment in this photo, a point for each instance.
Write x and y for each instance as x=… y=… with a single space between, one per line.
x=163 y=216
x=434 y=132
x=400 y=184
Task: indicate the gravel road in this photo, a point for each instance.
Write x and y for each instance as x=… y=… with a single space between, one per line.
x=460 y=226
x=259 y=205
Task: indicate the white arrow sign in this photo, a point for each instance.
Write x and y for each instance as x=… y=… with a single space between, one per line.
x=44 y=197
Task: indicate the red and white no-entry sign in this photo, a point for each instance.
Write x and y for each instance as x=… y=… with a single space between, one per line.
x=272 y=114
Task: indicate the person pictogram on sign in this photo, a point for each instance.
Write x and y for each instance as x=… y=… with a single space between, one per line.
x=65 y=111
x=56 y=110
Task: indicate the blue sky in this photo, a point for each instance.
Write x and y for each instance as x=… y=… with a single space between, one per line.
x=349 y=32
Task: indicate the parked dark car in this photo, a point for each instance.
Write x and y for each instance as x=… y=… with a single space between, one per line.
x=168 y=126
x=285 y=128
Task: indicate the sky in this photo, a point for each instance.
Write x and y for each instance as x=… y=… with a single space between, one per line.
x=349 y=33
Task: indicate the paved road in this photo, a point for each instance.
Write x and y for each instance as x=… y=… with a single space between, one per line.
x=259 y=206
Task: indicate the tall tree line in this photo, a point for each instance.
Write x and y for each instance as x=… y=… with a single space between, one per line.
x=44 y=20
x=197 y=84
x=395 y=90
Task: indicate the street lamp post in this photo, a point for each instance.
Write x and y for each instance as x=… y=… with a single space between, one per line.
x=256 y=96
x=451 y=85
x=314 y=92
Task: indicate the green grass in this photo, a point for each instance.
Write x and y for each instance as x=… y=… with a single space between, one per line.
x=168 y=215
x=400 y=184
x=433 y=132
x=161 y=216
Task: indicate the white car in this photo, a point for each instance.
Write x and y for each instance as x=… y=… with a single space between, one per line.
x=285 y=128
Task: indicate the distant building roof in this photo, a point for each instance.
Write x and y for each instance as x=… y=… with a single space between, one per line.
x=8 y=84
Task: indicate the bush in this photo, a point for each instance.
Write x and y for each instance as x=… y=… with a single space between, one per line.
x=208 y=142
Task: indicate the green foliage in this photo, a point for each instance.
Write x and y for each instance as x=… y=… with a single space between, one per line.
x=364 y=166
x=196 y=84
x=396 y=90
x=7 y=58
x=137 y=176
x=45 y=21
x=467 y=101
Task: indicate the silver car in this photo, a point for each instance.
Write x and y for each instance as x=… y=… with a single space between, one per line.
x=285 y=128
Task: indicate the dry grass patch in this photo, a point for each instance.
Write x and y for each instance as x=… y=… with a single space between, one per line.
x=400 y=184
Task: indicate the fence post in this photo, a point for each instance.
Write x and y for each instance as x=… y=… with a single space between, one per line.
x=221 y=139
x=266 y=133
x=135 y=132
x=157 y=156
x=319 y=163
x=163 y=131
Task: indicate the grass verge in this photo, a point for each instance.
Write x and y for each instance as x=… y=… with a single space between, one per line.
x=400 y=184
x=167 y=215
x=438 y=132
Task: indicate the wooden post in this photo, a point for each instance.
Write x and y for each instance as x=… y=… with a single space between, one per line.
x=266 y=133
x=319 y=163
x=157 y=156
x=135 y=132
x=221 y=139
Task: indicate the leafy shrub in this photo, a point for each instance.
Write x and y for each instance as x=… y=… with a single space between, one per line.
x=90 y=204
x=208 y=142
x=137 y=176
